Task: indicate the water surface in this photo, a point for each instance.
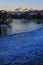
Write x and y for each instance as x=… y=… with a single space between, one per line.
x=23 y=25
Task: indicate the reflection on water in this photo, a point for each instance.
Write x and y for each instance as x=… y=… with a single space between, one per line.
x=22 y=25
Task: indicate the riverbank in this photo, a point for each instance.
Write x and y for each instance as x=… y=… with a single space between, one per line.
x=22 y=49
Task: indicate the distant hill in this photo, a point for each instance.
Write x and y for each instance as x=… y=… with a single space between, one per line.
x=31 y=12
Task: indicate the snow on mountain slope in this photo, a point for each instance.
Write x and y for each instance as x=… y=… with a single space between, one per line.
x=22 y=49
x=22 y=12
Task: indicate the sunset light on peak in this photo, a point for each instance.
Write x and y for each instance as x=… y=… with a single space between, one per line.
x=19 y=9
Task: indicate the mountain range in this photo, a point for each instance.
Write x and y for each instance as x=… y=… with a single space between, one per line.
x=20 y=11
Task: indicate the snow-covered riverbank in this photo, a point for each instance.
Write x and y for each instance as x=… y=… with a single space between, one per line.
x=22 y=49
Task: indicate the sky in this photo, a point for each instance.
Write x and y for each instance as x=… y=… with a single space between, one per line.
x=13 y=4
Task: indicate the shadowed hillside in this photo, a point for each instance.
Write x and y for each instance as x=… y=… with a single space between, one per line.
x=27 y=14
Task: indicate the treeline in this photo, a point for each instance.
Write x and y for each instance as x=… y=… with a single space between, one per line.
x=27 y=16
x=5 y=20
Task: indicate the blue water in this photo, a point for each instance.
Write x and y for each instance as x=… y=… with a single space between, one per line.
x=23 y=48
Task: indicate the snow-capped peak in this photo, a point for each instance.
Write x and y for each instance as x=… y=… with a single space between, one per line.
x=19 y=9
